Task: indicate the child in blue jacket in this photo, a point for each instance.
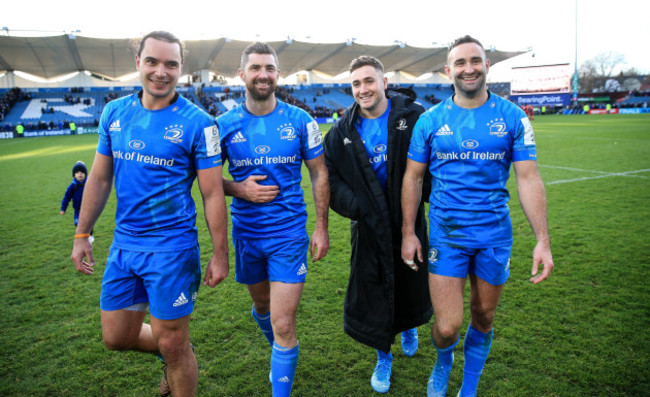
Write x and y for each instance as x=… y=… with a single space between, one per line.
x=75 y=190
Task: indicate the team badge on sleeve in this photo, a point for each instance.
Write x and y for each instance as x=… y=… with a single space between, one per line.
x=314 y=135
x=529 y=135
x=212 y=145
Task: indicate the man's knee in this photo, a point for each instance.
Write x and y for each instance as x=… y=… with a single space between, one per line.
x=173 y=346
x=262 y=304
x=447 y=330
x=482 y=317
x=283 y=326
x=114 y=341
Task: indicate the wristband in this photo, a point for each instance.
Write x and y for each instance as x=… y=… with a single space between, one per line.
x=83 y=235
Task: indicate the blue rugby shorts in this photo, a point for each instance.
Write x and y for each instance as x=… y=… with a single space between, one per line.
x=282 y=259
x=168 y=281
x=489 y=264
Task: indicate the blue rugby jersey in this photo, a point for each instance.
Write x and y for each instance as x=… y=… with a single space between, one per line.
x=469 y=152
x=374 y=134
x=273 y=145
x=155 y=157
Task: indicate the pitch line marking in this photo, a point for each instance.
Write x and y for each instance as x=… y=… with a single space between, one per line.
x=604 y=174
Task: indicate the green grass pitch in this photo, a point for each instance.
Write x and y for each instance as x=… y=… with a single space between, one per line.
x=584 y=332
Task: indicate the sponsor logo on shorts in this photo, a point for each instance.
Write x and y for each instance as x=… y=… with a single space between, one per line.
x=302 y=270
x=433 y=255
x=181 y=300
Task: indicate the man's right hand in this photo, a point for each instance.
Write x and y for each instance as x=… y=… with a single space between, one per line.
x=82 y=248
x=257 y=193
x=410 y=248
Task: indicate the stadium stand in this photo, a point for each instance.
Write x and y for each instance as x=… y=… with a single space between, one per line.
x=55 y=108
x=635 y=99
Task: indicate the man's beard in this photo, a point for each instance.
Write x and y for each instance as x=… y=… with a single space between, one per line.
x=257 y=96
x=473 y=93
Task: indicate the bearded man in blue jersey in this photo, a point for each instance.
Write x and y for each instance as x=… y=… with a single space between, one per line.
x=469 y=142
x=265 y=142
x=153 y=145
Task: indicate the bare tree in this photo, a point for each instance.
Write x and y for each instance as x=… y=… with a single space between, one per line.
x=606 y=62
x=588 y=75
x=595 y=72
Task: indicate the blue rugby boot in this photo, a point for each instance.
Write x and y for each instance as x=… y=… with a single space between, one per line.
x=380 y=380
x=410 y=342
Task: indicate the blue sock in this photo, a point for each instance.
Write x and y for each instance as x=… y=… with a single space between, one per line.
x=284 y=361
x=476 y=348
x=264 y=323
x=384 y=356
x=446 y=355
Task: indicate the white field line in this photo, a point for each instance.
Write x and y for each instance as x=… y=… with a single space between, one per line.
x=603 y=174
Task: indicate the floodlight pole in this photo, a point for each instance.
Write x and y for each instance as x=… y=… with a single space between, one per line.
x=576 y=84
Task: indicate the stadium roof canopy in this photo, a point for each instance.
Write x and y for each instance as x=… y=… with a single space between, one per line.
x=54 y=56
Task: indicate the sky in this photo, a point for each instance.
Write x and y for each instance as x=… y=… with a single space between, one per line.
x=546 y=28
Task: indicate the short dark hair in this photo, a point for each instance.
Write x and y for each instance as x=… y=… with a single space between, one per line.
x=366 y=60
x=257 y=48
x=463 y=40
x=160 y=35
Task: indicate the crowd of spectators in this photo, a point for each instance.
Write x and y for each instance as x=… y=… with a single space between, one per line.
x=39 y=125
x=432 y=99
x=210 y=102
x=10 y=98
x=110 y=96
x=628 y=105
x=637 y=93
x=72 y=100
x=285 y=95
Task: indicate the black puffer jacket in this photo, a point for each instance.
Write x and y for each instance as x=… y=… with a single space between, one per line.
x=384 y=296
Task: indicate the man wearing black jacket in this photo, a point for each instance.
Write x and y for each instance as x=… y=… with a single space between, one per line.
x=365 y=153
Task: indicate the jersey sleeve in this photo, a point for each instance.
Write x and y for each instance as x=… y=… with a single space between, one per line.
x=420 y=149
x=524 y=147
x=312 y=139
x=104 y=143
x=207 y=150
